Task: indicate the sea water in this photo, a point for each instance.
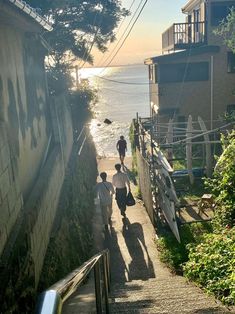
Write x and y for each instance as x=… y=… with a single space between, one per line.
x=122 y=93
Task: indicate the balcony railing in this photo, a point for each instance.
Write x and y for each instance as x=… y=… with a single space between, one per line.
x=184 y=35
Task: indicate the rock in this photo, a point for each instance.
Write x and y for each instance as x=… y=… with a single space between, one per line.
x=107 y=121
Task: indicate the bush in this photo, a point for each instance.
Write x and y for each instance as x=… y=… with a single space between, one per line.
x=173 y=253
x=212 y=265
x=81 y=101
x=222 y=185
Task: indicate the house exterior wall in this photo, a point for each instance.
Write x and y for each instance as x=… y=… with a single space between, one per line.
x=36 y=140
x=205 y=14
x=194 y=97
x=206 y=98
x=23 y=109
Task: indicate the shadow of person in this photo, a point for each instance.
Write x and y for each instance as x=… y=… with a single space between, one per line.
x=117 y=264
x=141 y=266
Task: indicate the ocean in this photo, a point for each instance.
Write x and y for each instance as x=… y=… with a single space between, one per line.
x=118 y=102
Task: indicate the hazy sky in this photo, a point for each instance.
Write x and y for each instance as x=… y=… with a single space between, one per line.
x=145 y=38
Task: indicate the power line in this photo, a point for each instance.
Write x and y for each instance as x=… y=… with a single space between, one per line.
x=95 y=35
x=119 y=27
x=124 y=40
x=123 y=34
x=121 y=92
x=121 y=82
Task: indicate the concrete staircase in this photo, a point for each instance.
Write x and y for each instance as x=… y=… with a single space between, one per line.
x=161 y=296
x=140 y=283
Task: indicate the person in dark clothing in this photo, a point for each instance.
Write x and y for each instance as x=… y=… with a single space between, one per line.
x=122 y=148
x=121 y=182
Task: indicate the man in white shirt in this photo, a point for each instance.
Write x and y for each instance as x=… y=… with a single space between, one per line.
x=105 y=193
x=120 y=182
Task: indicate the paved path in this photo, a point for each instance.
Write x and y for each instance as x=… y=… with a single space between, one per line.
x=140 y=282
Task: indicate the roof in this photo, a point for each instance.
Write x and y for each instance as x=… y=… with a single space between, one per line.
x=191 y=4
x=182 y=54
x=22 y=5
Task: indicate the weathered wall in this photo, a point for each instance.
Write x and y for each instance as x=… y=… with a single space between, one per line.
x=23 y=102
x=36 y=140
x=10 y=195
x=24 y=127
x=71 y=238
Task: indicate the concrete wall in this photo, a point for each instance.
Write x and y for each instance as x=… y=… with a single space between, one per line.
x=23 y=102
x=45 y=195
x=36 y=140
x=10 y=194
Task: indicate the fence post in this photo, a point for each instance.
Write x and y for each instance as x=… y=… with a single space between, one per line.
x=106 y=285
x=98 y=294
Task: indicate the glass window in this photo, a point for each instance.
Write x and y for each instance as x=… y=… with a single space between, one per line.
x=231 y=62
x=179 y=72
x=219 y=10
x=153 y=73
x=150 y=72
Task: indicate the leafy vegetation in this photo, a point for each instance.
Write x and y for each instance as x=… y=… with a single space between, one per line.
x=222 y=185
x=78 y=26
x=206 y=253
x=212 y=265
x=212 y=262
x=173 y=253
x=226 y=30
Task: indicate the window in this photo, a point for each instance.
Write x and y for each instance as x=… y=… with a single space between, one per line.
x=179 y=72
x=150 y=72
x=219 y=10
x=231 y=62
x=153 y=73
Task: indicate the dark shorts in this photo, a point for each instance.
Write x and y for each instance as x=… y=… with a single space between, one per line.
x=121 y=198
x=122 y=153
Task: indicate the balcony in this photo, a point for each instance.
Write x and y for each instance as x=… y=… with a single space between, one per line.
x=184 y=36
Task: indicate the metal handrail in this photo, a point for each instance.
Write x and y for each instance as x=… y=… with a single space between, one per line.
x=51 y=300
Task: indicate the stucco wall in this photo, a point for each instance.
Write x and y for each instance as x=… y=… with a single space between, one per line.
x=23 y=102
x=10 y=194
x=36 y=140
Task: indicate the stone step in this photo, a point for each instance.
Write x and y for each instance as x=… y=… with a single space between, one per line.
x=161 y=296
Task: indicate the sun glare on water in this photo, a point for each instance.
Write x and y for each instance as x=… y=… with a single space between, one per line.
x=87 y=73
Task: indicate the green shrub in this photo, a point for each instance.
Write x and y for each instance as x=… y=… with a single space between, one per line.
x=174 y=254
x=212 y=265
x=222 y=185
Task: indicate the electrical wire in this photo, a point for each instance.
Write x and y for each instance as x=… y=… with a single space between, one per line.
x=124 y=40
x=95 y=35
x=119 y=82
x=121 y=92
x=119 y=27
x=123 y=34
